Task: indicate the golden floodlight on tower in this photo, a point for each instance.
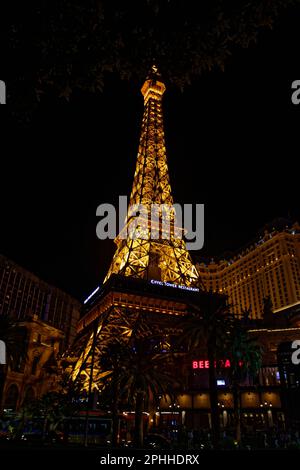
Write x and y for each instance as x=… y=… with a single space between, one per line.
x=140 y=254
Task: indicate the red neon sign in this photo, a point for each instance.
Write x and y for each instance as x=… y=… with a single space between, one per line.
x=222 y=363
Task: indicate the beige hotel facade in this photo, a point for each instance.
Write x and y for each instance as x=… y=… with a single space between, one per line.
x=270 y=267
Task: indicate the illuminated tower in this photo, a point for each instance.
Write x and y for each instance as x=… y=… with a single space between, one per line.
x=152 y=247
x=149 y=247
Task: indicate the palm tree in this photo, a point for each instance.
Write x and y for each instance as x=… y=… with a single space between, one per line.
x=111 y=361
x=208 y=326
x=53 y=407
x=50 y=408
x=246 y=358
x=140 y=371
x=71 y=397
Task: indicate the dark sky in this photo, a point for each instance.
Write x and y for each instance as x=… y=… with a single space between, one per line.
x=232 y=142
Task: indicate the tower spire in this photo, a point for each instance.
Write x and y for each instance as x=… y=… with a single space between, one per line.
x=142 y=255
x=151 y=180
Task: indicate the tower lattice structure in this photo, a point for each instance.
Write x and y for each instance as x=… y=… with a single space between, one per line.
x=151 y=245
x=139 y=256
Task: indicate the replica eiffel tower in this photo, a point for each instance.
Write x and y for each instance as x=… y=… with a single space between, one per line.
x=149 y=252
x=148 y=257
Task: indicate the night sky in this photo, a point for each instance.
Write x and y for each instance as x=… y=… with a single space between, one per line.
x=232 y=141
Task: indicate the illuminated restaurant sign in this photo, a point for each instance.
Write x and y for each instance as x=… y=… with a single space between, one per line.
x=222 y=364
x=174 y=286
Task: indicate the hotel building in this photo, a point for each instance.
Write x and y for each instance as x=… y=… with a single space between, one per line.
x=45 y=320
x=22 y=295
x=269 y=267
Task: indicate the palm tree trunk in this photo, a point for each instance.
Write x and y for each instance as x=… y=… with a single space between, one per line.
x=21 y=425
x=237 y=412
x=89 y=399
x=45 y=425
x=215 y=419
x=115 y=417
x=139 y=425
x=213 y=392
